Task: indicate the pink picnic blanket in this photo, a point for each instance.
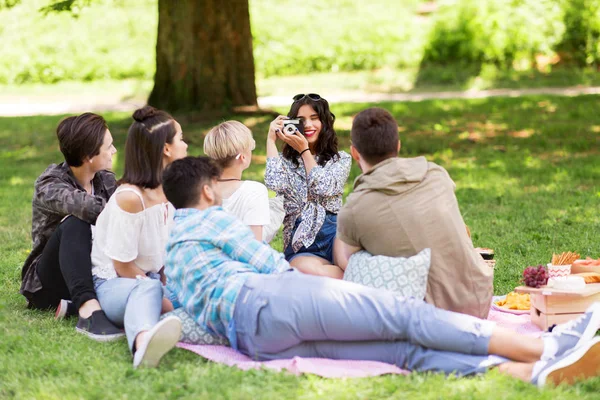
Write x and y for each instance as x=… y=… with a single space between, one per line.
x=338 y=368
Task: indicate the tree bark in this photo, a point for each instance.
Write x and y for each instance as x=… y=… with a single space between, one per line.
x=204 y=59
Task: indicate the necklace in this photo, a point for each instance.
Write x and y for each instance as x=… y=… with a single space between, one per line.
x=229 y=180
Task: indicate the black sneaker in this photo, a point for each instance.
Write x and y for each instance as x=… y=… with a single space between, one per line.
x=99 y=327
x=65 y=309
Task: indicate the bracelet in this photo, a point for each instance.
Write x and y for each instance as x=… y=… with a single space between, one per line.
x=303 y=151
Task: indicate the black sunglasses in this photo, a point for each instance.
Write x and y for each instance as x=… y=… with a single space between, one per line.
x=312 y=96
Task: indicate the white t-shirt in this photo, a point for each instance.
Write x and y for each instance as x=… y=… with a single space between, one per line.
x=250 y=203
x=123 y=236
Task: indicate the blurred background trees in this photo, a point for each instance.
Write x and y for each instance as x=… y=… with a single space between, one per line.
x=207 y=59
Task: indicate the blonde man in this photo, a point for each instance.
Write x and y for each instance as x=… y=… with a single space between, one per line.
x=231 y=144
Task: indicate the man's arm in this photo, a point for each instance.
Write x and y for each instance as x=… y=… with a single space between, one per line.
x=346 y=241
x=342 y=252
x=56 y=195
x=238 y=242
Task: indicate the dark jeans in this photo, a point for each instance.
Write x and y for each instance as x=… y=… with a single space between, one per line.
x=65 y=267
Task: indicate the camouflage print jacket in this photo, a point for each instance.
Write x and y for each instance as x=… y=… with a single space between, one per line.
x=56 y=195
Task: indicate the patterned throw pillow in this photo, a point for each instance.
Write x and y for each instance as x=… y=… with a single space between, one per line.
x=192 y=333
x=407 y=276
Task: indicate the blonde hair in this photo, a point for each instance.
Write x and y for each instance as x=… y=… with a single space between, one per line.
x=226 y=140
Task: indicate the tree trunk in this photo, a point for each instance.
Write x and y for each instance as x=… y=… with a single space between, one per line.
x=204 y=59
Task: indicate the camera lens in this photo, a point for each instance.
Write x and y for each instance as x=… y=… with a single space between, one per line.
x=289 y=129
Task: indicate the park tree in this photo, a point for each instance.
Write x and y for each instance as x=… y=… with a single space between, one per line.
x=204 y=59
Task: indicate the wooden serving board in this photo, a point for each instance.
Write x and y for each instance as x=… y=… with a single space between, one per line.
x=551 y=306
x=590 y=289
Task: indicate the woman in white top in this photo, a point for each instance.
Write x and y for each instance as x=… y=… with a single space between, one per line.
x=231 y=144
x=130 y=237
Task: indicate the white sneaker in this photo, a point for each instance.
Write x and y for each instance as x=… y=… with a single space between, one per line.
x=576 y=332
x=159 y=340
x=579 y=363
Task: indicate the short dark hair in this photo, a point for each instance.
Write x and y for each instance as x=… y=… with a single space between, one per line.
x=146 y=139
x=183 y=179
x=327 y=145
x=80 y=137
x=375 y=135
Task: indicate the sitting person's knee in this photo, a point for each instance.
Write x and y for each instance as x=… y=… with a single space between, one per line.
x=74 y=224
x=153 y=286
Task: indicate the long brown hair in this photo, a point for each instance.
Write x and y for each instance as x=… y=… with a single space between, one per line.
x=327 y=143
x=146 y=139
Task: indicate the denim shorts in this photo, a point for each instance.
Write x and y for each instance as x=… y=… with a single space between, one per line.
x=323 y=244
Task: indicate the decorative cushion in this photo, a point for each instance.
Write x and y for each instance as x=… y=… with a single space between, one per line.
x=193 y=333
x=407 y=276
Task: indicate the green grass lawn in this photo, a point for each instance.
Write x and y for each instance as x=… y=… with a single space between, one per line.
x=527 y=172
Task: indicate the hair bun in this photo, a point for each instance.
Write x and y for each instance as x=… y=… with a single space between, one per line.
x=142 y=114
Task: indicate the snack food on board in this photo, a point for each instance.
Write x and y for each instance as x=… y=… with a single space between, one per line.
x=570 y=282
x=587 y=265
x=535 y=276
x=588 y=262
x=590 y=277
x=515 y=301
x=564 y=258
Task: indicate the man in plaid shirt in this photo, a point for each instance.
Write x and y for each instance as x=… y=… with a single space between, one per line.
x=222 y=259
x=239 y=288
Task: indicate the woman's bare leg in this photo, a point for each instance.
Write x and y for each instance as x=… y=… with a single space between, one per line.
x=507 y=343
x=522 y=371
x=314 y=265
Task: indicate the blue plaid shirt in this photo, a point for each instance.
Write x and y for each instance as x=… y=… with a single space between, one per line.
x=210 y=254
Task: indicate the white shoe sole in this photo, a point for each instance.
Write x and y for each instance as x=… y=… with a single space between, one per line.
x=160 y=339
x=100 y=338
x=582 y=363
x=61 y=310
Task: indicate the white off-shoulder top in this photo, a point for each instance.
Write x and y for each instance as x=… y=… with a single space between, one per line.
x=123 y=236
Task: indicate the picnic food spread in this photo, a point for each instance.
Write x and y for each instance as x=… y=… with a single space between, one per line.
x=564 y=258
x=535 y=276
x=588 y=262
x=590 y=277
x=562 y=290
x=570 y=282
x=515 y=301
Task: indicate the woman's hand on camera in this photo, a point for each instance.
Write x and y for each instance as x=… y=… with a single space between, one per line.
x=275 y=126
x=297 y=140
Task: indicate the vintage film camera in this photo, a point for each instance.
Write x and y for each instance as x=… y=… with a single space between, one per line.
x=290 y=126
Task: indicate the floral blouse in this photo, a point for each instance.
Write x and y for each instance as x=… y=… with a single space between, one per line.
x=307 y=197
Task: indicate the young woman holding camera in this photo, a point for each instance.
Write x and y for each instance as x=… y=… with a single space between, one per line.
x=310 y=174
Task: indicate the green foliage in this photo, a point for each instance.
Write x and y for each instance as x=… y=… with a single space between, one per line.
x=581 y=42
x=72 y=6
x=116 y=39
x=342 y=35
x=110 y=39
x=528 y=185
x=493 y=31
x=8 y=3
